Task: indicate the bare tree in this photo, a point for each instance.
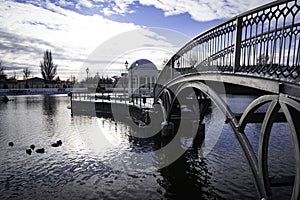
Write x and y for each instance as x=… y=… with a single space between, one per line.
x=13 y=77
x=73 y=79
x=48 y=68
x=26 y=73
x=1 y=68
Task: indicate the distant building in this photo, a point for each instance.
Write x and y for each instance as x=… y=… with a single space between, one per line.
x=34 y=82
x=141 y=77
x=3 y=77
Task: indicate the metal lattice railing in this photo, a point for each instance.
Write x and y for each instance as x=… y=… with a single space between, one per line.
x=262 y=42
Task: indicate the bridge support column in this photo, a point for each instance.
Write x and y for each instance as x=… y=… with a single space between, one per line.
x=71 y=100
x=167 y=132
x=200 y=133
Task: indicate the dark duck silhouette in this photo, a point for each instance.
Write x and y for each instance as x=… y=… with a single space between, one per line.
x=32 y=146
x=5 y=99
x=42 y=150
x=57 y=144
x=11 y=144
x=54 y=145
x=28 y=151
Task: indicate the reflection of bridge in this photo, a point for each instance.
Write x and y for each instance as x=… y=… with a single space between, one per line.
x=256 y=52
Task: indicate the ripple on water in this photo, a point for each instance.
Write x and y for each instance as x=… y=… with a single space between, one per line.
x=79 y=171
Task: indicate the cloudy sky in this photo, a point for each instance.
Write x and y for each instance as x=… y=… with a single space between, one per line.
x=72 y=30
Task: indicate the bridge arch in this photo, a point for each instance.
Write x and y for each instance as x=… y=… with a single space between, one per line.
x=164 y=100
x=258 y=164
x=276 y=103
x=260 y=50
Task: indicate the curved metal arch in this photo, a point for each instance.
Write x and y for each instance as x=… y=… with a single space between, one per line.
x=164 y=100
x=175 y=98
x=241 y=137
x=214 y=97
x=260 y=101
x=264 y=144
x=162 y=95
x=181 y=87
x=277 y=102
x=284 y=101
x=161 y=92
x=160 y=102
x=167 y=99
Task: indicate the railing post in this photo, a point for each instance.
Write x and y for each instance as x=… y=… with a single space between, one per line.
x=171 y=68
x=237 y=46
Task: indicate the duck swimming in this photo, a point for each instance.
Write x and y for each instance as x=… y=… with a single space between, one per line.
x=54 y=145
x=57 y=144
x=28 y=151
x=42 y=150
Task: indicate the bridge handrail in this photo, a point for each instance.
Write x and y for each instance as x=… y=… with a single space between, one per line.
x=261 y=42
x=269 y=5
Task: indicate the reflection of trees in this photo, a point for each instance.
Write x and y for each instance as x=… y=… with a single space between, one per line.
x=187 y=178
x=32 y=102
x=49 y=111
x=49 y=105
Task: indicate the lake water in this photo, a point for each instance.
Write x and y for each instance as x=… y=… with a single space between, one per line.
x=89 y=166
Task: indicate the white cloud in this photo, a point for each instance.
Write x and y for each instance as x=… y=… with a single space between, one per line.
x=32 y=28
x=107 y=11
x=119 y=7
x=154 y=44
x=204 y=10
x=29 y=30
x=84 y=3
x=199 y=10
x=65 y=3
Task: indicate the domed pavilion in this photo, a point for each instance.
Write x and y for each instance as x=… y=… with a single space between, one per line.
x=142 y=75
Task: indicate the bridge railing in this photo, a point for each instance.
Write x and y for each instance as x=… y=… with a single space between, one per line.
x=261 y=42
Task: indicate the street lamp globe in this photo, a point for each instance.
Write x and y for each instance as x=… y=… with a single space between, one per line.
x=87 y=72
x=126 y=65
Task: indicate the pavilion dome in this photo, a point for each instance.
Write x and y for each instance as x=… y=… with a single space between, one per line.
x=143 y=64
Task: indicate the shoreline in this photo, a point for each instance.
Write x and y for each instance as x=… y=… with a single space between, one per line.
x=39 y=91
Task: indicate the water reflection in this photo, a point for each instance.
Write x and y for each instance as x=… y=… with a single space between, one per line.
x=188 y=177
x=86 y=166
x=49 y=105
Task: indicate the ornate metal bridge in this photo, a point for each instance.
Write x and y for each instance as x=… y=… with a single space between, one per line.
x=257 y=52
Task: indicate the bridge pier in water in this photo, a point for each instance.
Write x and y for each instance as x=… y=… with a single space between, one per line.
x=199 y=127
x=167 y=132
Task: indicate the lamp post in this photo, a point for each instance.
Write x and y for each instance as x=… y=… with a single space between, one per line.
x=178 y=64
x=87 y=73
x=138 y=85
x=132 y=85
x=123 y=83
x=87 y=76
